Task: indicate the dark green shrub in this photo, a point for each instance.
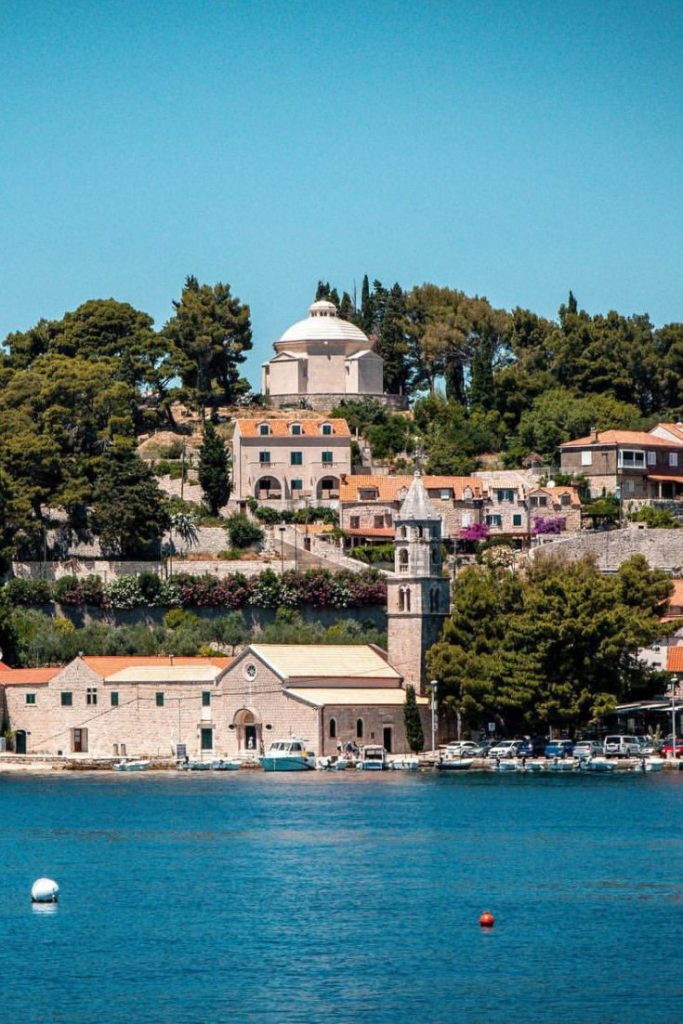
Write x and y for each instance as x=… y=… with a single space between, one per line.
x=242 y=531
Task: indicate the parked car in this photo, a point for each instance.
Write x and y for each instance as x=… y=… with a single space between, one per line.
x=647 y=747
x=535 y=747
x=464 y=748
x=559 y=748
x=507 y=748
x=622 y=746
x=667 y=749
x=588 y=748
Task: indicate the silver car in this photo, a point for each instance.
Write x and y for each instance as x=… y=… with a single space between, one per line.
x=622 y=746
x=464 y=748
x=588 y=748
x=506 y=748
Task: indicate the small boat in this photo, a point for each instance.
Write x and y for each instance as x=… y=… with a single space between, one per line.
x=454 y=764
x=288 y=756
x=503 y=765
x=131 y=766
x=560 y=764
x=649 y=764
x=232 y=764
x=196 y=766
x=372 y=759
x=532 y=766
x=596 y=764
x=405 y=763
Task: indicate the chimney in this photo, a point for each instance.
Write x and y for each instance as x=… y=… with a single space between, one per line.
x=170 y=658
x=595 y=437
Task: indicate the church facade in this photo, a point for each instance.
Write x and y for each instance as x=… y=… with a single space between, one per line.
x=321 y=360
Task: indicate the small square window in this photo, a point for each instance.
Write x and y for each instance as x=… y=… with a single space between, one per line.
x=379 y=522
x=206 y=698
x=326 y=429
x=296 y=458
x=30 y=698
x=327 y=458
x=264 y=430
x=114 y=698
x=67 y=698
x=355 y=523
x=516 y=519
x=264 y=458
x=159 y=697
x=296 y=429
x=297 y=485
x=586 y=458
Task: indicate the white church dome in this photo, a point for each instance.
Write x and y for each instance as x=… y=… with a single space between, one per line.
x=323 y=324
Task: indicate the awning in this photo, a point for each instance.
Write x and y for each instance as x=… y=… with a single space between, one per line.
x=660 y=478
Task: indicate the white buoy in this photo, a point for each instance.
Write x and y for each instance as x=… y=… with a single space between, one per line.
x=44 y=890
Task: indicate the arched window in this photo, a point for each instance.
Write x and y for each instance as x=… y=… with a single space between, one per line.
x=401 y=599
x=407 y=599
x=418 y=532
x=333 y=728
x=359 y=729
x=403 y=533
x=403 y=560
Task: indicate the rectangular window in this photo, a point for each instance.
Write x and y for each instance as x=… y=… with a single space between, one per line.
x=326 y=429
x=565 y=499
x=355 y=523
x=296 y=458
x=379 y=522
x=264 y=429
x=159 y=699
x=673 y=458
x=652 y=458
x=30 y=698
x=327 y=458
x=467 y=519
x=297 y=485
x=296 y=429
x=67 y=698
x=629 y=459
x=444 y=494
x=114 y=698
x=505 y=495
x=367 y=494
x=538 y=502
x=91 y=695
x=494 y=520
x=586 y=458
x=206 y=741
x=79 y=741
x=206 y=698
x=516 y=519
x=629 y=486
x=264 y=458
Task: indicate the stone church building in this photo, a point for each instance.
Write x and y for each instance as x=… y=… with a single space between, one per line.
x=321 y=360
x=219 y=707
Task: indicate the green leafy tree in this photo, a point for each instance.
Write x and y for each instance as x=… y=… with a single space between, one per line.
x=211 y=334
x=413 y=722
x=128 y=511
x=214 y=473
x=243 y=532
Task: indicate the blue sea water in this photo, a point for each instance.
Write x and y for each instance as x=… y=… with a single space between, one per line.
x=245 y=897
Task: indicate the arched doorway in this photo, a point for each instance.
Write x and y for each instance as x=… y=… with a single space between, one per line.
x=328 y=488
x=268 y=488
x=20 y=741
x=248 y=728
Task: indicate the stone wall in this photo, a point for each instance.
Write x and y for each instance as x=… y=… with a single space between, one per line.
x=663 y=549
x=108 y=570
x=323 y=403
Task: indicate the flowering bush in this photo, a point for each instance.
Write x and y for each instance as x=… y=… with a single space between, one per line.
x=476 y=532
x=549 y=524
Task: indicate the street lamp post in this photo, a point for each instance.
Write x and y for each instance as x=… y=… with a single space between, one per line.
x=282 y=547
x=434 y=684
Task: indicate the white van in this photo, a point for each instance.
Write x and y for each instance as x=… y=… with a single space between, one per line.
x=622 y=746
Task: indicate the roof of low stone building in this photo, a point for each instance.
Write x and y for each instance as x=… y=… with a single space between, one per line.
x=325 y=661
x=607 y=437
x=674 y=659
x=353 y=696
x=28 y=676
x=107 y=666
x=278 y=427
x=166 y=674
x=390 y=488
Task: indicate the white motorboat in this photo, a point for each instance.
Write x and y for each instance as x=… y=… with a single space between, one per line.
x=405 y=763
x=372 y=759
x=596 y=764
x=131 y=766
x=649 y=764
x=288 y=756
x=500 y=765
x=560 y=764
x=454 y=764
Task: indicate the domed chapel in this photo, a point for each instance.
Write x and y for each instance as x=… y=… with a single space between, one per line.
x=322 y=359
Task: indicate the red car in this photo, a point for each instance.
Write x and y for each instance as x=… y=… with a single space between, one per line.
x=668 y=747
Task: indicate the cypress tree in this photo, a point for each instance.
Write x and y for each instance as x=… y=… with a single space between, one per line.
x=213 y=471
x=413 y=722
x=393 y=345
x=346 y=309
x=366 y=307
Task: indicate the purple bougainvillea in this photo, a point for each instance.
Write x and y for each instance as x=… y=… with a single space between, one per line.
x=549 y=524
x=475 y=532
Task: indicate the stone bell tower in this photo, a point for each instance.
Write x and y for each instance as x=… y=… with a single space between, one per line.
x=418 y=596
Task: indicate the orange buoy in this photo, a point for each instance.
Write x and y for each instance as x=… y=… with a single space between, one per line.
x=486 y=920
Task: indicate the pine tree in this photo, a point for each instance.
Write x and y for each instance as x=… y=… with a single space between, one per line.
x=393 y=345
x=213 y=473
x=413 y=721
x=346 y=310
x=128 y=513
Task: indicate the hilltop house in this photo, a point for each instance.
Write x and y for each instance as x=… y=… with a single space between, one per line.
x=290 y=460
x=631 y=463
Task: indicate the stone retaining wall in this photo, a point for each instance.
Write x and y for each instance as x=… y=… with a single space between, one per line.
x=663 y=549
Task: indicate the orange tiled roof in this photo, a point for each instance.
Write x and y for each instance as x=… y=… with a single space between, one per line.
x=674 y=659
x=676 y=599
x=388 y=487
x=373 y=531
x=280 y=427
x=28 y=676
x=557 y=492
x=107 y=666
x=620 y=437
x=674 y=428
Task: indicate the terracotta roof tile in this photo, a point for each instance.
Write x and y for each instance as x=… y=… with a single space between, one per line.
x=28 y=676
x=674 y=659
x=620 y=437
x=107 y=666
x=674 y=428
x=281 y=427
x=373 y=531
x=389 y=487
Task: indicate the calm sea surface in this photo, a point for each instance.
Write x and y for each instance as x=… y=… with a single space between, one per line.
x=316 y=898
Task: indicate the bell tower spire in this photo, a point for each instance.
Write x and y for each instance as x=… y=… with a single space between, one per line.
x=418 y=595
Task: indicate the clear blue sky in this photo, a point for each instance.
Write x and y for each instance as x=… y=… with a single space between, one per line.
x=512 y=149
